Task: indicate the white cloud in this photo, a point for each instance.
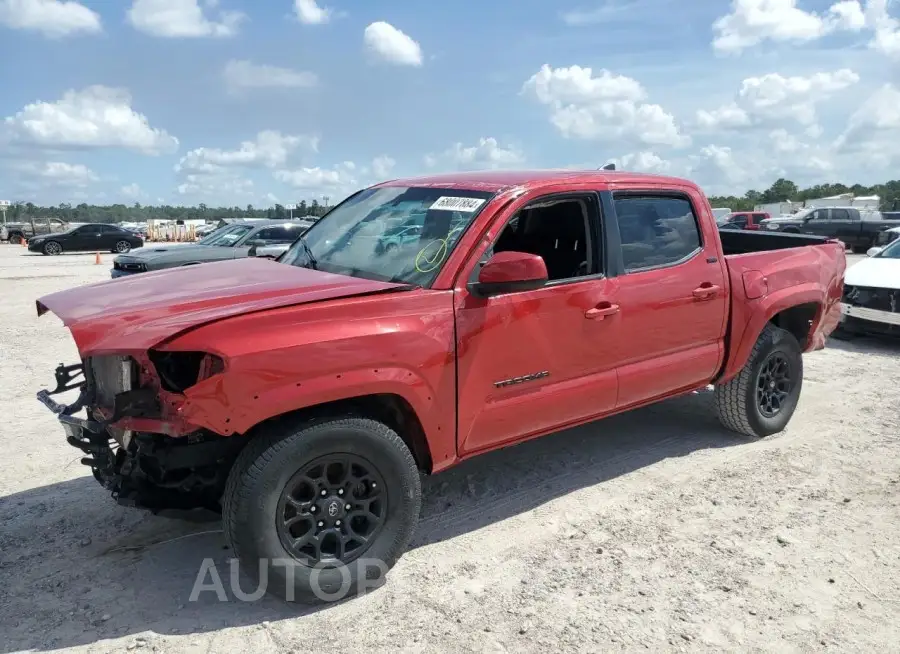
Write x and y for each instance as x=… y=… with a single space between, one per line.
x=95 y=117
x=310 y=13
x=382 y=166
x=385 y=42
x=217 y=188
x=729 y=116
x=774 y=97
x=644 y=162
x=752 y=22
x=242 y=75
x=610 y=10
x=606 y=107
x=132 y=191
x=887 y=28
x=58 y=173
x=873 y=130
x=269 y=149
x=53 y=18
x=319 y=179
x=182 y=19
x=486 y=154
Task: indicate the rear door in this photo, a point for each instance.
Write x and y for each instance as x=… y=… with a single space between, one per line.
x=671 y=293
x=846 y=225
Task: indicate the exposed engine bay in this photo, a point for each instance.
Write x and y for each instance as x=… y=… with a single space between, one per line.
x=135 y=444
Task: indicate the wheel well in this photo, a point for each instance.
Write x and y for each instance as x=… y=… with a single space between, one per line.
x=390 y=409
x=798 y=321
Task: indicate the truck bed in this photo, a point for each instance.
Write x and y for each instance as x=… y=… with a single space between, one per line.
x=745 y=241
x=771 y=272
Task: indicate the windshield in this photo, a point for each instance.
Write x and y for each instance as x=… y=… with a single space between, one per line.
x=394 y=233
x=226 y=236
x=892 y=251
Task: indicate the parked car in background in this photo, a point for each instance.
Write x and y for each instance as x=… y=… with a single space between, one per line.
x=93 y=237
x=744 y=220
x=884 y=239
x=304 y=399
x=871 y=299
x=276 y=250
x=859 y=231
x=23 y=231
x=234 y=241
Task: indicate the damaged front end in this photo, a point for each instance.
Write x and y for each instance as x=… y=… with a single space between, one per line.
x=136 y=442
x=871 y=309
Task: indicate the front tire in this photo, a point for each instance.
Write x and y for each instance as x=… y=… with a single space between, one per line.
x=761 y=399
x=52 y=248
x=285 y=505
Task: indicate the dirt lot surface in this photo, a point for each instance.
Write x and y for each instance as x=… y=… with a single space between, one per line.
x=656 y=530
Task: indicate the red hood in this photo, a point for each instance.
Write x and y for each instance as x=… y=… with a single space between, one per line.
x=137 y=312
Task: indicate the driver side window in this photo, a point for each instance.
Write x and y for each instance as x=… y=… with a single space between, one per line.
x=560 y=231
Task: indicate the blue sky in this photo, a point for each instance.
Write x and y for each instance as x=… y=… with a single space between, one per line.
x=329 y=96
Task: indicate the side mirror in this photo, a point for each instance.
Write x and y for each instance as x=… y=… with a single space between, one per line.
x=507 y=272
x=871 y=252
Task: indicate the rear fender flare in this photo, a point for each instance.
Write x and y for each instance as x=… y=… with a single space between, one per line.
x=765 y=309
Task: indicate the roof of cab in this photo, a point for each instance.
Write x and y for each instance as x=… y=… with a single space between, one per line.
x=500 y=180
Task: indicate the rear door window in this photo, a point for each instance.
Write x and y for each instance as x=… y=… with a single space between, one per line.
x=656 y=231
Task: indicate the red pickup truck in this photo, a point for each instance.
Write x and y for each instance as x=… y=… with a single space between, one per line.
x=303 y=398
x=744 y=220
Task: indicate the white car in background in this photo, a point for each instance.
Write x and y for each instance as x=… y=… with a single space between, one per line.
x=871 y=301
x=885 y=238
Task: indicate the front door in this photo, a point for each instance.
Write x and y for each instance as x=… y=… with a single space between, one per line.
x=533 y=361
x=672 y=296
x=85 y=238
x=818 y=223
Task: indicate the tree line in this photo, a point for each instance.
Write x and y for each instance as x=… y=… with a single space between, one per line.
x=785 y=190
x=138 y=213
x=781 y=191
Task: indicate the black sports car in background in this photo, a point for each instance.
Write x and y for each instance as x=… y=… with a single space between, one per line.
x=93 y=237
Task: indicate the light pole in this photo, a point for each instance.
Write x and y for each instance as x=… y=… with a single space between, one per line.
x=4 y=205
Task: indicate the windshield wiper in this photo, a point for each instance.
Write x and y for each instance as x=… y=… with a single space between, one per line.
x=309 y=255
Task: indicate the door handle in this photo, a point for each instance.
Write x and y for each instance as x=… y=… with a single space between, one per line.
x=706 y=291
x=600 y=312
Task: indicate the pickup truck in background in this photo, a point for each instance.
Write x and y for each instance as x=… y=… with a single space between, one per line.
x=749 y=220
x=22 y=231
x=857 y=230
x=303 y=398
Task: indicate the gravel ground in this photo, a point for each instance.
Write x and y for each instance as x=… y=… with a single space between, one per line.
x=655 y=530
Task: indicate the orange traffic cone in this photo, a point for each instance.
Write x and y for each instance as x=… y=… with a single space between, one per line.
x=24 y=242
x=97 y=258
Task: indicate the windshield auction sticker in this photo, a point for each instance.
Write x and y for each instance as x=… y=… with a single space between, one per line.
x=448 y=203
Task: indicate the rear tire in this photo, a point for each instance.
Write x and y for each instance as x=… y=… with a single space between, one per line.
x=273 y=503
x=52 y=248
x=761 y=399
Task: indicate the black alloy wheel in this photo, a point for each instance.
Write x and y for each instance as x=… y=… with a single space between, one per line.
x=774 y=384
x=331 y=511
